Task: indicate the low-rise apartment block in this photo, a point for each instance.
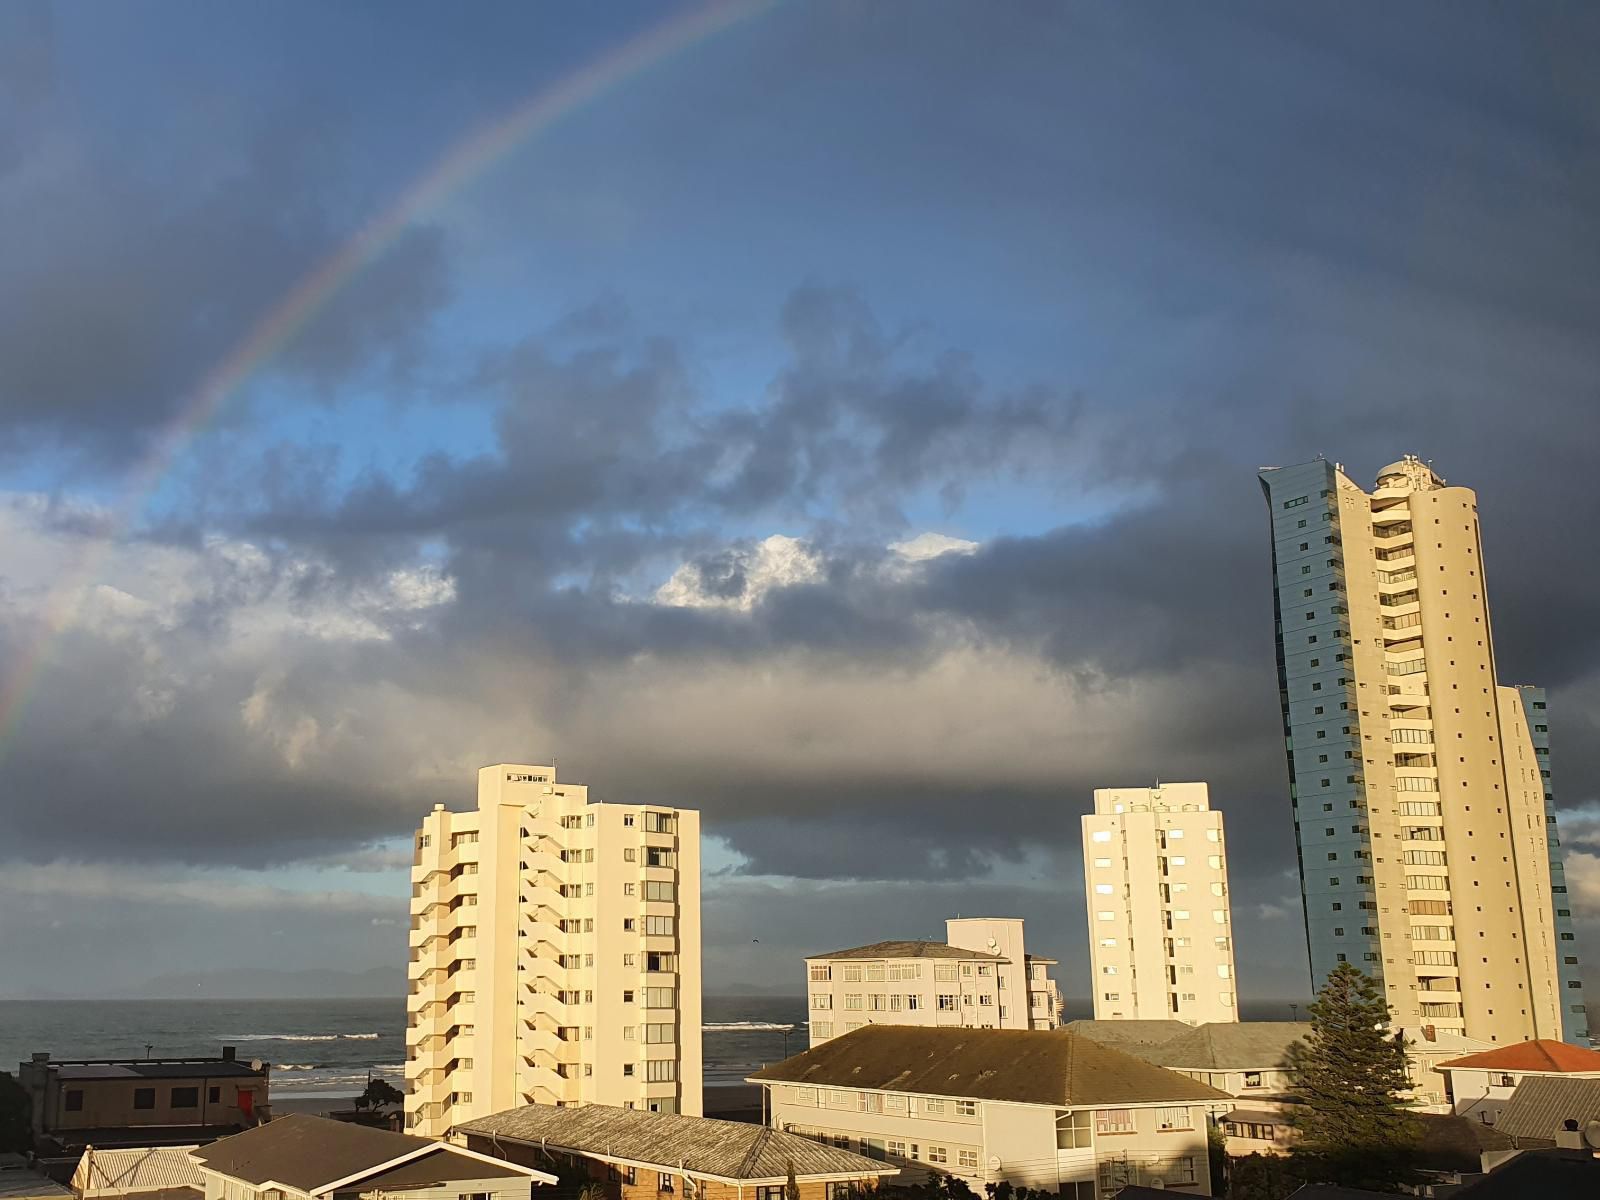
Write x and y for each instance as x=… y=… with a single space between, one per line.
x=980 y=978
x=555 y=954
x=1035 y=1108
x=1480 y=1085
x=141 y=1101
x=1155 y=867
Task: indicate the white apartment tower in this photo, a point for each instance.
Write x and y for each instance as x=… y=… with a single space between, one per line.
x=555 y=954
x=1155 y=869
x=982 y=977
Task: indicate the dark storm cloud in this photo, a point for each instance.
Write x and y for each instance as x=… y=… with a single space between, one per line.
x=120 y=293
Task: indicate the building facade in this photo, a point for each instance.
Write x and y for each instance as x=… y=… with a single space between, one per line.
x=141 y=1101
x=981 y=978
x=1155 y=868
x=1419 y=811
x=1027 y=1107
x=555 y=954
x=1574 y=1016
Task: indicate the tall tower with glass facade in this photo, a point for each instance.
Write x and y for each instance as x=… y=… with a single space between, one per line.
x=1418 y=801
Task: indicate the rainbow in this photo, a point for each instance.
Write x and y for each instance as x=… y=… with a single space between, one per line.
x=466 y=161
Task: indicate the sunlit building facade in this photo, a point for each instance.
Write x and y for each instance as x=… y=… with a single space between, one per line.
x=1419 y=807
x=1155 y=868
x=555 y=954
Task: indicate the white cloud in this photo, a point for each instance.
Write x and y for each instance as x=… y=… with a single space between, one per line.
x=931 y=545
x=749 y=573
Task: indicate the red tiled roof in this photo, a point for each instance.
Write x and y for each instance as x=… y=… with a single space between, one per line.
x=1543 y=1054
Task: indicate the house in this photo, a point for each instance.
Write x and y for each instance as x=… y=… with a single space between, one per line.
x=138 y=1172
x=141 y=1101
x=1541 y=1107
x=1035 y=1108
x=1426 y=1047
x=634 y=1154
x=302 y=1157
x=1480 y=1084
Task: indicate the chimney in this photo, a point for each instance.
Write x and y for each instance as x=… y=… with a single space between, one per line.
x=1429 y=1033
x=1568 y=1137
x=229 y=1054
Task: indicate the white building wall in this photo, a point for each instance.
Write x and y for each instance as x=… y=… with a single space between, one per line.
x=988 y=1141
x=1160 y=922
x=536 y=922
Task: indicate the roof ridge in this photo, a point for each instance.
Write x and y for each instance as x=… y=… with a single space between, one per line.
x=753 y=1155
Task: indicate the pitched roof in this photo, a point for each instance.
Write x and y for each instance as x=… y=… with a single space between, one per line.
x=308 y=1153
x=136 y=1169
x=1548 y=1174
x=1129 y=1033
x=1229 y=1046
x=734 y=1150
x=910 y=950
x=1541 y=1054
x=1452 y=1143
x=1541 y=1103
x=211 y=1068
x=1027 y=1066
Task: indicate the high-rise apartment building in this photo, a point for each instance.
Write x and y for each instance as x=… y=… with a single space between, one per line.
x=1155 y=870
x=555 y=954
x=1574 y=1017
x=982 y=977
x=1418 y=804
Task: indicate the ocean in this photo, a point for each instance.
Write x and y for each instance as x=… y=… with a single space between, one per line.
x=328 y=1047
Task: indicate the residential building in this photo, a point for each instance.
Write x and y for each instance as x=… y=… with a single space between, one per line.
x=555 y=953
x=632 y=1154
x=1542 y=1107
x=1574 y=1015
x=138 y=1173
x=301 y=1157
x=1035 y=1108
x=981 y=978
x=1155 y=869
x=1419 y=811
x=1480 y=1085
x=141 y=1101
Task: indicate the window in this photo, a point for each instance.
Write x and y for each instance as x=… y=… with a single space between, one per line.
x=660 y=997
x=75 y=1100
x=933 y=1106
x=852 y=1001
x=663 y=1182
x=1102 y=862
x=1102 y=889
x=968 y=1159
x=947 y=1004
x=1113 y=1120
x=660 y=1070
x=144 y=1097
x=1102 y=835
x=185 y=1097
x=822 y=1029
x=938 y=1154
x=1106 y=916
x=214 y=1095
x=660 y=889
x=822 y=1002
x=1073 y=1131
x=1174 y=1118
x=659 y=1033
x=658 y=926
x=1252 y=1079
x=821 y=972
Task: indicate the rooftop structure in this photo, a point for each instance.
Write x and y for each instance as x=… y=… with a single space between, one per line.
x=144 y=1172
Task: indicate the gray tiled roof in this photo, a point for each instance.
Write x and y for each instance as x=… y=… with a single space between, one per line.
x=910 y=950
x=308 y=1153
x=734 y=1150
x=1540 y=1103
x=1026 y=1066
x=1128 y=1034
x=1228 y=1046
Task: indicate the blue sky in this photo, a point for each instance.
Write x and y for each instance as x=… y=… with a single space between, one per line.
x=1049 y=279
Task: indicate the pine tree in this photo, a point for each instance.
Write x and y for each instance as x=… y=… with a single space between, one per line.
x=1353 y=1126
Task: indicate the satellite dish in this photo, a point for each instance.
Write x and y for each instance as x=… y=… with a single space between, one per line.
x=1591 y=1134
x=994 y=1162
x=993 y=943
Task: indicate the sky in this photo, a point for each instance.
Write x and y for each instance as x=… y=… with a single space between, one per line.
x=840 y=418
